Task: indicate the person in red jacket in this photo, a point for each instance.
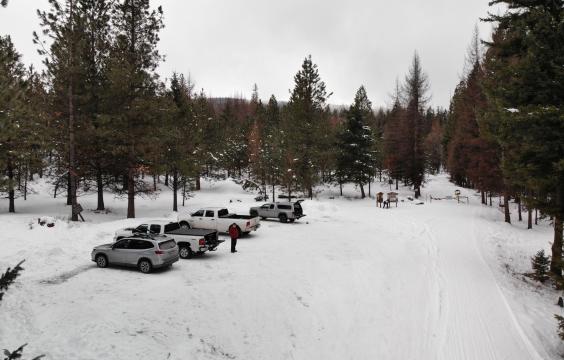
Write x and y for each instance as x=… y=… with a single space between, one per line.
x=234 y=234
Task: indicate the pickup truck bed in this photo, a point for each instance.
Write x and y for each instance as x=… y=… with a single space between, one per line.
x=235 y=216
x=212 y=240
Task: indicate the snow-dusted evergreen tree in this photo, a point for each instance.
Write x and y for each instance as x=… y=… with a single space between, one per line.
x=273 y=145
x=541 y=266
x=19 y=132
x=179 y=136
x=356 y=156
x=305 y=121
x=524 y=86
x=415 y=92
x=134 y=87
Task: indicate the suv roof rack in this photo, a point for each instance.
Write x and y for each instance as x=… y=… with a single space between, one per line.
x=149 y=236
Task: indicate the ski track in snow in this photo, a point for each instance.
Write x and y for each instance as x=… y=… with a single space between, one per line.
x=349 y=281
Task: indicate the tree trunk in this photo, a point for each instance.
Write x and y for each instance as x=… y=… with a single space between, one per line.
x=69 y=199
x=529 y=218
x=72 y=144
x=11 y=192
x=556 y=260
x=166 y=179
x=397 y=184
x=25 y=188
x=491 y=203
x=175 y=190
x=309 y=193
x=131 y=193
x=183 y=190
x=536 y=216
x=100 y=189
x=370 y=188
x=417 y=192
x=519 y=209
x=484 y=201
x=154 y=182
x=506 y=207
x=362 y=194
x=341 y=188
x=273 y=191
x=198 y=184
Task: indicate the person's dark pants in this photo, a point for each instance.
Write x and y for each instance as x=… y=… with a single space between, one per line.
x=233 y=244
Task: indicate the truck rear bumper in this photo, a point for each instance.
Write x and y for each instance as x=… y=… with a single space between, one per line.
x=252 y=228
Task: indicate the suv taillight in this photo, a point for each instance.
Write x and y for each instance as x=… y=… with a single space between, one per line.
x=159 y=252
x=202 y=242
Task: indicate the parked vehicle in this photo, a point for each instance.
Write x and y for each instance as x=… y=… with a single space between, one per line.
x=146 y=252
x=219 y=219
x=283 y=211
x=190 y=241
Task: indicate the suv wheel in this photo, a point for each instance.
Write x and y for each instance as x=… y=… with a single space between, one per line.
x=283 y=218
x=145 y=266
x=185 y=252
x=102 y=261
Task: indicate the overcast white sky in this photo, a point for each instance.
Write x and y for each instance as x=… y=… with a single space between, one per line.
x=228 y=45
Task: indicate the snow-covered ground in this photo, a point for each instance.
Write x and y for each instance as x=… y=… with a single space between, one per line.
x=350 y=281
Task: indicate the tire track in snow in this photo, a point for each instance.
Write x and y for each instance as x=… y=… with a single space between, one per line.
x=526 y=341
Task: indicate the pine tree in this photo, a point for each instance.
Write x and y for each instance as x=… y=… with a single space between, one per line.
x=415 y=92
x=179 y=135
x=273 y=149
x=306 y=119
x=525 y=89
x=356 y=156
x=15 y=118
x=133 y=87
x=541 y=266
x=395 y=151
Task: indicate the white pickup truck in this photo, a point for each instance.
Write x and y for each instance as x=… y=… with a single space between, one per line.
x=189 y=241
x=219 y=219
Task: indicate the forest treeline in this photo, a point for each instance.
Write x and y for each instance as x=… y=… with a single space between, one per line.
x=99 y=118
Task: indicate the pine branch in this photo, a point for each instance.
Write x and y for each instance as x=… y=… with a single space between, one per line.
x=18 y=353
x=9 y=277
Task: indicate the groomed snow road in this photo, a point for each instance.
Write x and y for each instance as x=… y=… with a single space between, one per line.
x=349 y=281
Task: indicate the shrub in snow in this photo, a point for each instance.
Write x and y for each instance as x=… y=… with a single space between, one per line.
x=541 y=264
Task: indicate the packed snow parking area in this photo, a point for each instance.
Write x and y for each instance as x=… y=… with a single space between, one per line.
x=349 y=281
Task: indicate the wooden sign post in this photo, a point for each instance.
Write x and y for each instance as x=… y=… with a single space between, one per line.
x=77 y=210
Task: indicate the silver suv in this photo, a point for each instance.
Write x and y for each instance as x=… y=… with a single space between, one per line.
x=146 y=252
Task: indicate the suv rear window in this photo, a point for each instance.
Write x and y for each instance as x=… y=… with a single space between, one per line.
x=171 y=227
x=167 y=245
x=284 y=207
x=155 y=229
